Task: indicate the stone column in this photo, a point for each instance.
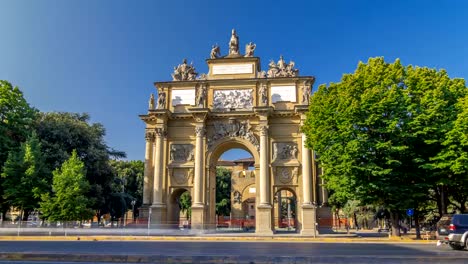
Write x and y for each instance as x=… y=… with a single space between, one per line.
x=264 y=169
x=264 y=209
x=148 y=166
x=306 y=173
x=198 y=206
x=309 y=207
x=158 y=166
x=158 y=208
x=198 y=181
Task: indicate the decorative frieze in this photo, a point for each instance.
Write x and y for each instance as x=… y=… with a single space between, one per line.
x=232 y=99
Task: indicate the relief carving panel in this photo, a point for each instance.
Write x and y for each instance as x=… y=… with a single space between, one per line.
x=285 y=151
x=181 y=153
x=232 y=99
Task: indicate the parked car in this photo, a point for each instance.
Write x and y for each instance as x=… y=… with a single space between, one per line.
x=458 y=232
x=442 y=228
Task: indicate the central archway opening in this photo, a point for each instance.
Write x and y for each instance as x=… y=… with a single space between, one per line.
x=235 y=191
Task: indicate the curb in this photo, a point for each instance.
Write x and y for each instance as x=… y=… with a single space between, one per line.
x=216 y=238
x=96 y=258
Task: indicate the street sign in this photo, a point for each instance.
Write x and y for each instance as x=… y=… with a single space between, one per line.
x=410 y=212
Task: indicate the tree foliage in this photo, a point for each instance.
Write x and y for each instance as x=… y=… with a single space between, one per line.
x=185 y=204
x=69 y=200
x=223 y=191
x=61 y=133
x=379 y=128
x=25 y=176
x=127 y=186
x=130 y=175
x=16 y=117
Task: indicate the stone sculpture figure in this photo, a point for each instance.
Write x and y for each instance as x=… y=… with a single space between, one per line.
x=282 y=69
x=234 y=43
x=263 y=94
x=215 y=52
x=249 y=49
x=294 y=151
x=173 y=152
x=281 y=64
x=201 y=96
x=237 y=197
x=151 y=102
x=272 y=69
x=305 y=93
x=262 y=74
x=161 y=100
x=184 y=72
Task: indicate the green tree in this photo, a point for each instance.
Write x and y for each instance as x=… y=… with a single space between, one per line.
x=129 y=174
x=25 y=176
x=223 y=191
x=69 y=200
x=126 y=188
x=376 y=132
x=432 y=97
x=61 y=133
x=185 y=204
x=454 y=157
x=16 y=117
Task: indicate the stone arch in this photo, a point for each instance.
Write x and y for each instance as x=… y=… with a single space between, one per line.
x=212 y=157
x=225 y=144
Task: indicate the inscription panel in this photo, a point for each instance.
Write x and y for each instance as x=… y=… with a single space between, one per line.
x=181 y=97
x=283 y=93
x=233 y=69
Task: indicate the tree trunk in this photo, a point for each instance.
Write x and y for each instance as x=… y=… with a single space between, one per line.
x=443 y=200
x=462 y=206
x=355 y=221
x=25 y=215
x=395 y=221
x=416 y=223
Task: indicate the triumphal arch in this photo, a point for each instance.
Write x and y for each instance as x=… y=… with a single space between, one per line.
x=196 y=118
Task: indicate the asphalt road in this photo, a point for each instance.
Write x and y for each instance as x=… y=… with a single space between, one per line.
x=243 y=252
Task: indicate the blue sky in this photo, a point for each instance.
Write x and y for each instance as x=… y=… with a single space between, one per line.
x=102 y=57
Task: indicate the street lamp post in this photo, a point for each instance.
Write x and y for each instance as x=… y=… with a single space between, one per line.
x=133 y=210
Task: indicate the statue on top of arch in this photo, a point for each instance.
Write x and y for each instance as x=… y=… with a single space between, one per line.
x=184 y=72
x=282 y=69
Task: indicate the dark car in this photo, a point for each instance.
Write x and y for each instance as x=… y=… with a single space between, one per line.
x=443 y=228
x=458 y=232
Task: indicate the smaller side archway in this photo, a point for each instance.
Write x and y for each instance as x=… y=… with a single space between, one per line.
x=180 y=204
x=285 y=210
